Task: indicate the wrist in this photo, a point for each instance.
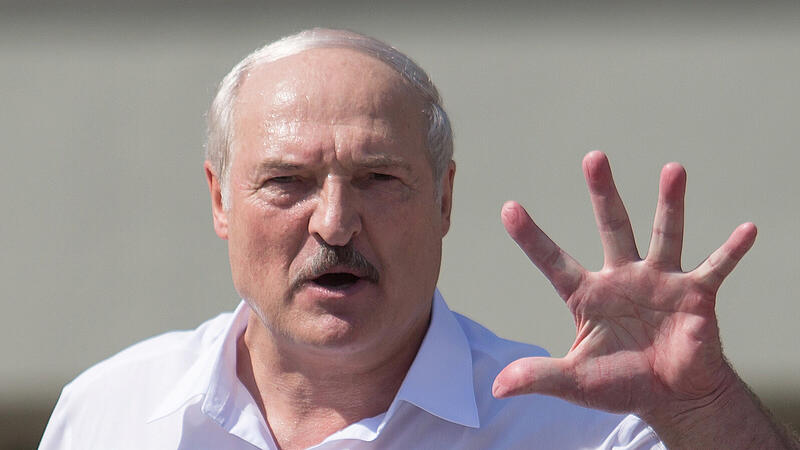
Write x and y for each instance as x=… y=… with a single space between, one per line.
x=679 y=419
x=730 y=416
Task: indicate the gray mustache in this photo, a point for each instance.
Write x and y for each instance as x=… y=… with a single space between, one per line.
x=328 y=257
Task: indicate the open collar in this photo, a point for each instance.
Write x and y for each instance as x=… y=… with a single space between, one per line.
x=439 y=381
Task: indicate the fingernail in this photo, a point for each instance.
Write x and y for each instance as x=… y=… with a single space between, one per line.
x=499 y=391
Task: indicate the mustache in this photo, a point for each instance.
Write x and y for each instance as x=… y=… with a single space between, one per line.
x=335 y=256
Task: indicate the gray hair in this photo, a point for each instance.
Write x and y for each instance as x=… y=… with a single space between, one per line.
x=221 y=114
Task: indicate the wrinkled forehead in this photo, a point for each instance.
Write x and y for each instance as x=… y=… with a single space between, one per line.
x=327 y=85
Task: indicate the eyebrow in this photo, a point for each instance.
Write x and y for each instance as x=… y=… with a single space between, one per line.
x=375 y=161
x=380 y=161
x=276 y=164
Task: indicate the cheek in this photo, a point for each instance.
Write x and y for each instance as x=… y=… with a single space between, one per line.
x=409 y=238
x=262 y=245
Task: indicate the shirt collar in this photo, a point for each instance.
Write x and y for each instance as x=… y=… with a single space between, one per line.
x=440 y=380
x=212 y=376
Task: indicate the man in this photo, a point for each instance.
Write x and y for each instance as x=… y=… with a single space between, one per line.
x=329 y=165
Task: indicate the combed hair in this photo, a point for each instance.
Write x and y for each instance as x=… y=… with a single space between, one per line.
x=220 y=117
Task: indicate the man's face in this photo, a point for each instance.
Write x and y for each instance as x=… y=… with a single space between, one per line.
x=330 y=152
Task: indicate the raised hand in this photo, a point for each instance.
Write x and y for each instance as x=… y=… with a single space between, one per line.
x=647 y=340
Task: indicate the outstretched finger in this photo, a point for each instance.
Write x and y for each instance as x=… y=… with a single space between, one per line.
x=712 y=272
x=612 y=219
x=539 y=375
x=563 y=272
x=666 y=243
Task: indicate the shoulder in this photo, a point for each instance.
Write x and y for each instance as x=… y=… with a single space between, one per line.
x=550 y=421
x=166 y=353
x=483 y=342
x=119 y=393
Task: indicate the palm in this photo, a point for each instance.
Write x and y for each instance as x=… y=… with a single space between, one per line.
x=637 y=343
x=646 y=331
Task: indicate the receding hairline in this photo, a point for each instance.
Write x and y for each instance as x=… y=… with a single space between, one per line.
x=397 y=94
x=275 y=75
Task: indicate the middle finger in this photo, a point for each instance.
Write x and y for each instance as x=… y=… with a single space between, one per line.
x=616 y=234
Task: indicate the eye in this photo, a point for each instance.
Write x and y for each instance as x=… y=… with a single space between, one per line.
x=284 y=184
x=285 y=179
x=381 y=176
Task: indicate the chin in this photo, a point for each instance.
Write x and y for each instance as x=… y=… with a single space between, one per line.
x=331 y=332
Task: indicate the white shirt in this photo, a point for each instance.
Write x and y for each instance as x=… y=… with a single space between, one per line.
x=180 y=390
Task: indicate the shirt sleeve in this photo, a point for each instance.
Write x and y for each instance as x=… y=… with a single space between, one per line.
x=57 y=434
x=633 y=434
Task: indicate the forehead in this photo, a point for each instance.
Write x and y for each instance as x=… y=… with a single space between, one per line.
x=331 y=86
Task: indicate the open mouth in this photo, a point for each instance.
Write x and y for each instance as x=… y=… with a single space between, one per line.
x=339 y=280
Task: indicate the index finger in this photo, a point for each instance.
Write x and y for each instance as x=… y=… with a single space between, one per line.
x=561 y=269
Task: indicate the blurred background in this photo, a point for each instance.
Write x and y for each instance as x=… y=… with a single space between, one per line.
x=107 y=235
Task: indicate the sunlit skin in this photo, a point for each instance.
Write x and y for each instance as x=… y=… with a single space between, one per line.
x=647 y=338
x=331 y=148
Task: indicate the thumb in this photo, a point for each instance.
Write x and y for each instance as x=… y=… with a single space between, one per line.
x=540 y=375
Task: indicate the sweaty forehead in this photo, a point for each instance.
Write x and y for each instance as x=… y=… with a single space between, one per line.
x=327 y=85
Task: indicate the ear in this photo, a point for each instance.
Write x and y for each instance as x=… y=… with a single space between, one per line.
x=217 y=211
x=447 y=196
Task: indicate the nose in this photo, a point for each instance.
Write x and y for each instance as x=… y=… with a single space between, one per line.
x=336 y=219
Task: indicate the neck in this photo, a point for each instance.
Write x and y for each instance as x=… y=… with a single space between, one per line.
x=306 y=395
